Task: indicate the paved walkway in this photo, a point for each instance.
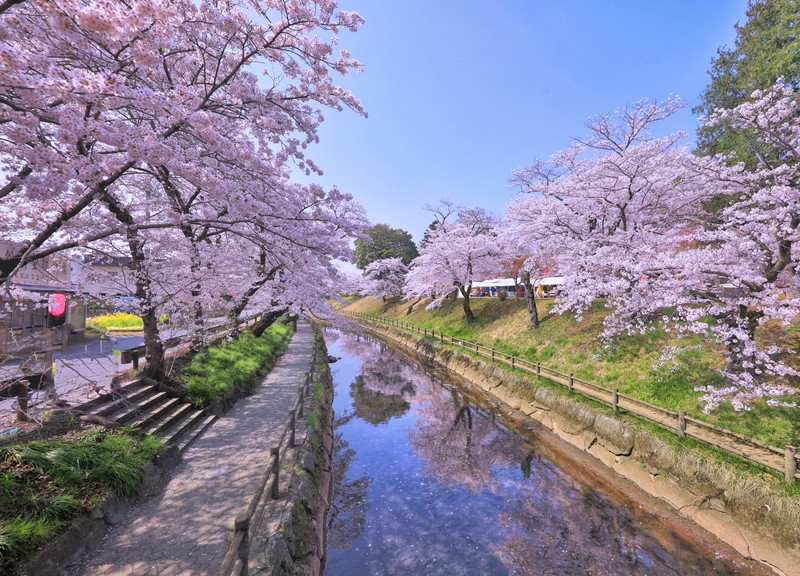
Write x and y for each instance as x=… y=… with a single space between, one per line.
x=187 y=528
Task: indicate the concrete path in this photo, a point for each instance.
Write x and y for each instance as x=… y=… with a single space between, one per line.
x=186 y=529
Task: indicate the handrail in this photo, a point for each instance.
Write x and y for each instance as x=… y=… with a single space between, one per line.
x=716 y=436
x=236 y=560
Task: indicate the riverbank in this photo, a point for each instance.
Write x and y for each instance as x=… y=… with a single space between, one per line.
x=748 y=515
x=659 y=367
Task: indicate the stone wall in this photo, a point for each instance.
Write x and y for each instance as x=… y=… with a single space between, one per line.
x=746 y=513
x=298 y=546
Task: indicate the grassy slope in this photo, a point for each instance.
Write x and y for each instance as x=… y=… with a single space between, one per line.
x=637 y=365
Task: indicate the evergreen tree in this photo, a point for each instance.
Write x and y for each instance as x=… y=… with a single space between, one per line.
x=767 y=48
x=384 y=242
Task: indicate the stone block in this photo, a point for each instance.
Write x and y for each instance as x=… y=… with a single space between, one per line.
x=616 y=437
x=114 y=510
x=545 y=398
x=309 y=462
x=573 y=417
x=82 y=533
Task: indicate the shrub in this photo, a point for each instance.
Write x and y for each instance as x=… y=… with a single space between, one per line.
x=116 y=320
x=47 y=482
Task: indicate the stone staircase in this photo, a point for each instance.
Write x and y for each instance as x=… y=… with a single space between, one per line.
x=142 y=405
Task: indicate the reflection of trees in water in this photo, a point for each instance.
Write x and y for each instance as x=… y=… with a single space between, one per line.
x=462 y=443
x=348 y=514
x=381 y=391
x=559 y=528
x=375 y=407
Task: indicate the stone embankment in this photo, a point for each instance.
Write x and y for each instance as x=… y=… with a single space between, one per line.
x=745 y=513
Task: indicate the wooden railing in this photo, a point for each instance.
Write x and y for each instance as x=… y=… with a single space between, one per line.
x=237 y=558
x=780 y=460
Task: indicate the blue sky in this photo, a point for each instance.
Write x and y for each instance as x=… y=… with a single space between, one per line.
x=460 y=93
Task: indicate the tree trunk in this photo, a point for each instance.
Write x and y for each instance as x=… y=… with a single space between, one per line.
x=465 y=304
x=738 y=354
x=530 y=300
x=411 y=306
x=198 y=315
x=154 y=354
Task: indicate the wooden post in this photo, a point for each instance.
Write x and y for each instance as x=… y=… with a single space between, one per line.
x=538 y=369
x=242 y=526
x=292 y=424
x=275 y=455
x=22 y=401
x=790 y=464
x=452 y=340
x=441 y=336
x=571 y=382
x=492 y=353
x=476 y=348
x=135 y=358
x=512 y=361
x=616 y=399
x=302 y=394
x=682 y=423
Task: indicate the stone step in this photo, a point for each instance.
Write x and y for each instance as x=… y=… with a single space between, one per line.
x=108 y=397
x=130 y=408
x=173 y=434
x=127 y=397
x=195 y=432
x=168 y=420
x=155 y=413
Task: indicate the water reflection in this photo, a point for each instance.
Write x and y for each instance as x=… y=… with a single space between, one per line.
x=429 y=481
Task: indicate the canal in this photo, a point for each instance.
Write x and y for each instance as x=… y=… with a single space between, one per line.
x=429 y=479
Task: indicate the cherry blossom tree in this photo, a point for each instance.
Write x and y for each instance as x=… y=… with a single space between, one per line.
x=463 y=247
x=385 y=278
x=623 y=214
x=137 y=121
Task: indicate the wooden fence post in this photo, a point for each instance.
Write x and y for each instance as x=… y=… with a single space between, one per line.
x=682 y=423
x=275 y=455
x=242 y=525
x=616 y=399
x=22 y=401
x=571 y=382
x=790 y=464
x=492 y=353
x=302 y=404
x=512 y=361
x=538 y=369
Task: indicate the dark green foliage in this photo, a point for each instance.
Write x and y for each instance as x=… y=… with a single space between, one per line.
x=767 y=48
x=48 y=482
x=384 y=242
x=235 y=365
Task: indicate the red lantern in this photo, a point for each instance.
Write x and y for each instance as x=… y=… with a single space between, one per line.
x=56 y=308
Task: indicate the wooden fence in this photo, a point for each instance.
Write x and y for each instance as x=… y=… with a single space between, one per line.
x=237 y=558
x=780 y=460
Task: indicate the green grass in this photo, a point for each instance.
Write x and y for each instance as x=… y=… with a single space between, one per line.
x=660 y=367
x=233 y=366
x=118 y=320
x=45 y=483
